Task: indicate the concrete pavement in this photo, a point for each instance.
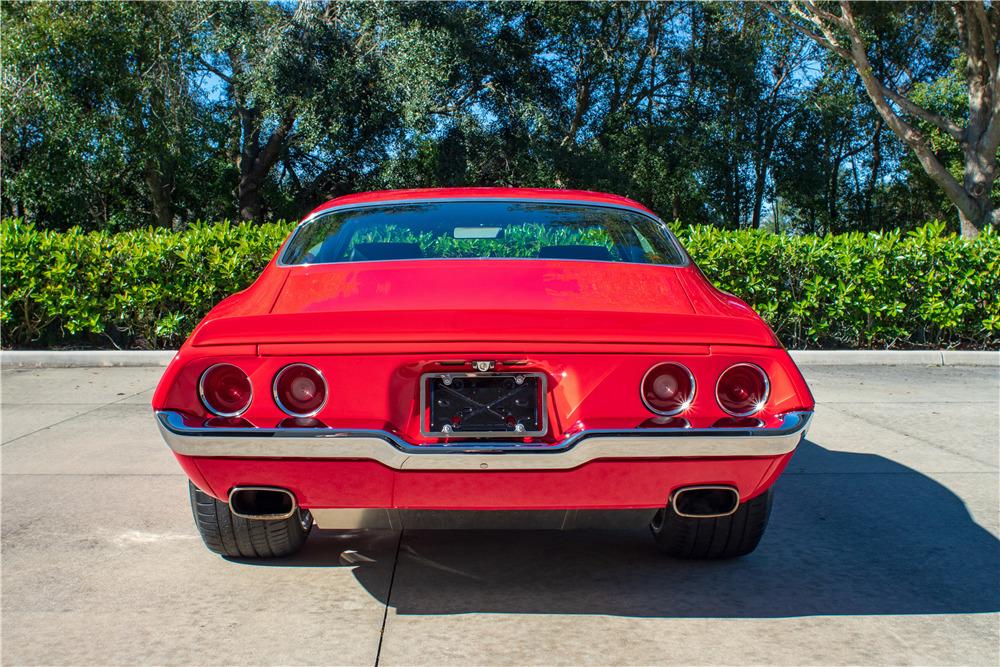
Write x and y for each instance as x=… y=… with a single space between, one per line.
x=882 y=549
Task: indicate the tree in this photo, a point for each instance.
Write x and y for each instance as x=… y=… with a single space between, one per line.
x=119 y=114
x=301 y=88
x=98 y=100
x=824 y=138
x=977 y=29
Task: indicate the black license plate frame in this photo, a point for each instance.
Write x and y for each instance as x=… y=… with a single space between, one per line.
x=486 y=403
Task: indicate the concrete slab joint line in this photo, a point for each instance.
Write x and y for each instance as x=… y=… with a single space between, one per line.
x=139 y=358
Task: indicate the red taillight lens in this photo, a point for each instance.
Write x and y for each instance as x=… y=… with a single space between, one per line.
x=742 y=390
x=300 y=390
x=667 y=388
x=225 y=390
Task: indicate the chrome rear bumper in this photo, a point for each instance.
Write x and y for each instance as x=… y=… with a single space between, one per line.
x=391 y=451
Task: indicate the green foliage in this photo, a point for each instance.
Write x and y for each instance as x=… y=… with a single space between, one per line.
x=878 y=290
x=121 y=114
x=100 y=124
x=148 y=288
x=145 y=288
x=519 y=240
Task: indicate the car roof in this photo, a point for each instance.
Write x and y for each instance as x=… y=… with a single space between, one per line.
x=421 y=194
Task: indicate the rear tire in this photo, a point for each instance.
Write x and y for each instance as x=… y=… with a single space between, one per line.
x=230 y=535
x=723 y=537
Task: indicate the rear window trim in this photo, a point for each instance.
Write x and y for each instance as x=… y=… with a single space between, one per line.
x=685 y=259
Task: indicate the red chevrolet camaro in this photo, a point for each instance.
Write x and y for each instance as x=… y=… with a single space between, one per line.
x=481 y=349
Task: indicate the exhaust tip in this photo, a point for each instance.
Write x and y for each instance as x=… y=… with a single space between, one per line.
x=705 y=502
x=264 y=503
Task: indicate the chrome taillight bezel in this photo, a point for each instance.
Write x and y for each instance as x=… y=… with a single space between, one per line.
x=759 y=407
x=668 y=413
x=204 y=400
x=283 y=407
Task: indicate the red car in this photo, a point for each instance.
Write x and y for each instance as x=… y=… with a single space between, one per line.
x=481 y=349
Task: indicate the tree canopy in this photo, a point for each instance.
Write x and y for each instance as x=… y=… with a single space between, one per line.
x=812 y=116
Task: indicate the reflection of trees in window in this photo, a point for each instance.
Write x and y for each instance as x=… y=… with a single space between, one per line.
x=525 y=228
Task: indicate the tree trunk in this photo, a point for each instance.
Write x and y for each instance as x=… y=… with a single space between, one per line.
x=249 y=198
x=873 y=178
x=976 y=25
x=980 y=174
x=758 y=195
x=831 y=199
x=760 y=180
x=159 y=194
x=734 y=193
x=256 y=161
x=760 y=164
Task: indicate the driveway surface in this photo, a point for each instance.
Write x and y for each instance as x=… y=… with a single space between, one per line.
x=882 y=549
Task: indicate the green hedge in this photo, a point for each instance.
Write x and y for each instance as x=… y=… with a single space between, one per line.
x=925 y=289
x=149 y=288
x=145 y=288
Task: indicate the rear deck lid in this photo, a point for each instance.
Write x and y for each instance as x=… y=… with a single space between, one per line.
x=484 y=300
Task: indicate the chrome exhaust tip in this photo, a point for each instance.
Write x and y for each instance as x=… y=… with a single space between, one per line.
x=264 y=503
x=705 y=502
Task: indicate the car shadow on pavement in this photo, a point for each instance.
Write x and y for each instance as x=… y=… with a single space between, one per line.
x=850 y=533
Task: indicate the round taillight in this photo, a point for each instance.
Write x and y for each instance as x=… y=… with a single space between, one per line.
x=742 y=390
x=300 y=390
x=225 y=390
x=668 y=388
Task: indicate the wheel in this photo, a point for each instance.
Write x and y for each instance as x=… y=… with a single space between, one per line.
x=230 y=535
x=724 y=537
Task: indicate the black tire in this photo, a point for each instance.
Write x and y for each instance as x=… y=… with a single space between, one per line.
x=230 y=535
x=724 y=537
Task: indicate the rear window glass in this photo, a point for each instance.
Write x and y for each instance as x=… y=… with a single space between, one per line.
x=482 y=229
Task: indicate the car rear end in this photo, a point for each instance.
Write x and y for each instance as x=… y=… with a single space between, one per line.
x=464 y=384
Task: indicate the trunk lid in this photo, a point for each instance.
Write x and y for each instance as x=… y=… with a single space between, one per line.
x=489 y=300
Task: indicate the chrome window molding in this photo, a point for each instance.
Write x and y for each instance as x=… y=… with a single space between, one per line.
x=685 y=258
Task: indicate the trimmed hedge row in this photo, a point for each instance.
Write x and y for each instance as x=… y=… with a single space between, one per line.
x=925 y=289
x=146 y=288
x=149 y=288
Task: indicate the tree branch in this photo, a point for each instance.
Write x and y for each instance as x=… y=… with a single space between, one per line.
x=819 y=39
x=989 y=38
x=954 y=130
x=269 y=154
x=450 y=108
x=582 y=105
x=910 y=135
x=859 y=58
x=215 y=70
x=823 y=15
